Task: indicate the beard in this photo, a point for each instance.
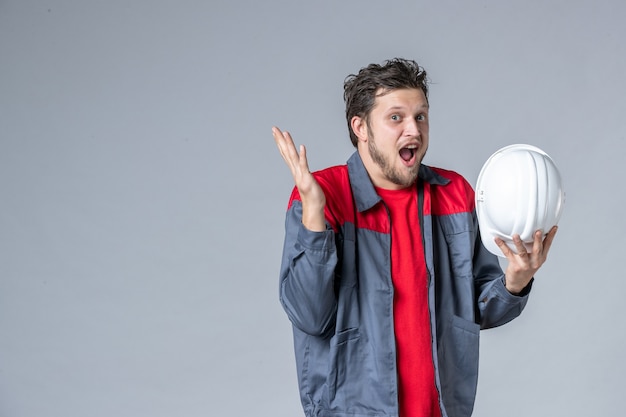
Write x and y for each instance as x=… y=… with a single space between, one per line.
x=402 y=177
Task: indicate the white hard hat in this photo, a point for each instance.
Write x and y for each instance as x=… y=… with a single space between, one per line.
x=519 y=191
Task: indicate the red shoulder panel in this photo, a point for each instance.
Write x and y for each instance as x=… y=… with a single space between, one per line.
x=455 y=197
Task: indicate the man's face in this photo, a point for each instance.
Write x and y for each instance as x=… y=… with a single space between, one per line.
x=394 y=141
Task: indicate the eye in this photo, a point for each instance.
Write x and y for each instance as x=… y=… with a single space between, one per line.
x=420 y=117
x=395 y=117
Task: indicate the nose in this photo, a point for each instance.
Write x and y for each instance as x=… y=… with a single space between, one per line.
x=412 y=128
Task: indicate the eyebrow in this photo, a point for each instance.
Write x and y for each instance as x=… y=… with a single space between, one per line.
x=424 y=107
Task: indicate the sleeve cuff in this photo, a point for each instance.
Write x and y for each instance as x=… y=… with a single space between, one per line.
x=525 y=291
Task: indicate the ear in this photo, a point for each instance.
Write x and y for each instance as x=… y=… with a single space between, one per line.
x=359 y=127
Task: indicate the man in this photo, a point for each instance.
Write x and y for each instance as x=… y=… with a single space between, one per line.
x=384 y=276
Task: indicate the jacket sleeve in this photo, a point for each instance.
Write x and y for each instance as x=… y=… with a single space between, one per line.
x=307 y=275
x=496 y=305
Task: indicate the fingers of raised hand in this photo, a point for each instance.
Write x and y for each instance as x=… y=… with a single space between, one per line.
x=285 y=144
x=298 y=164
x=296 y=161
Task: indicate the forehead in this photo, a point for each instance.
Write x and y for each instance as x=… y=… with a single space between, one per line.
x=404 y=98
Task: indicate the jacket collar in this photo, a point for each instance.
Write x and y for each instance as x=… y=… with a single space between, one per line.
x=365 y=196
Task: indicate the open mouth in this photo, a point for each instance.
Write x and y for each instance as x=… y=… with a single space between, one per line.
x=408 y=153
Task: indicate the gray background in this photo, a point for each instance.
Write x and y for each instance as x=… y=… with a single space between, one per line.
x=142 y=197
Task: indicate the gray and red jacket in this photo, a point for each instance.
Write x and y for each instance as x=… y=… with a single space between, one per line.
x=337 y=291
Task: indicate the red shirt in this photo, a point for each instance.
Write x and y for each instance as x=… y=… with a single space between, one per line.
x=416 y=373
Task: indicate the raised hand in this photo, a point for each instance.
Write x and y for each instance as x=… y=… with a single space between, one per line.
x=311 y=194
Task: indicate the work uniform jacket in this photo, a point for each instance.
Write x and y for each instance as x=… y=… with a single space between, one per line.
x=337 y=291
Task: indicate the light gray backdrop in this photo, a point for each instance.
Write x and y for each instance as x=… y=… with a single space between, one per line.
x=142 y=197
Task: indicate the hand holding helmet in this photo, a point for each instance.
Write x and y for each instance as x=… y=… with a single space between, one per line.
x=519 y=200
x=519 y=191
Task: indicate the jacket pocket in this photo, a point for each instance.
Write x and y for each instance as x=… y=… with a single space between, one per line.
x=345 y=360
x=460 y=240
x=458 y=358
x=346 y=247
